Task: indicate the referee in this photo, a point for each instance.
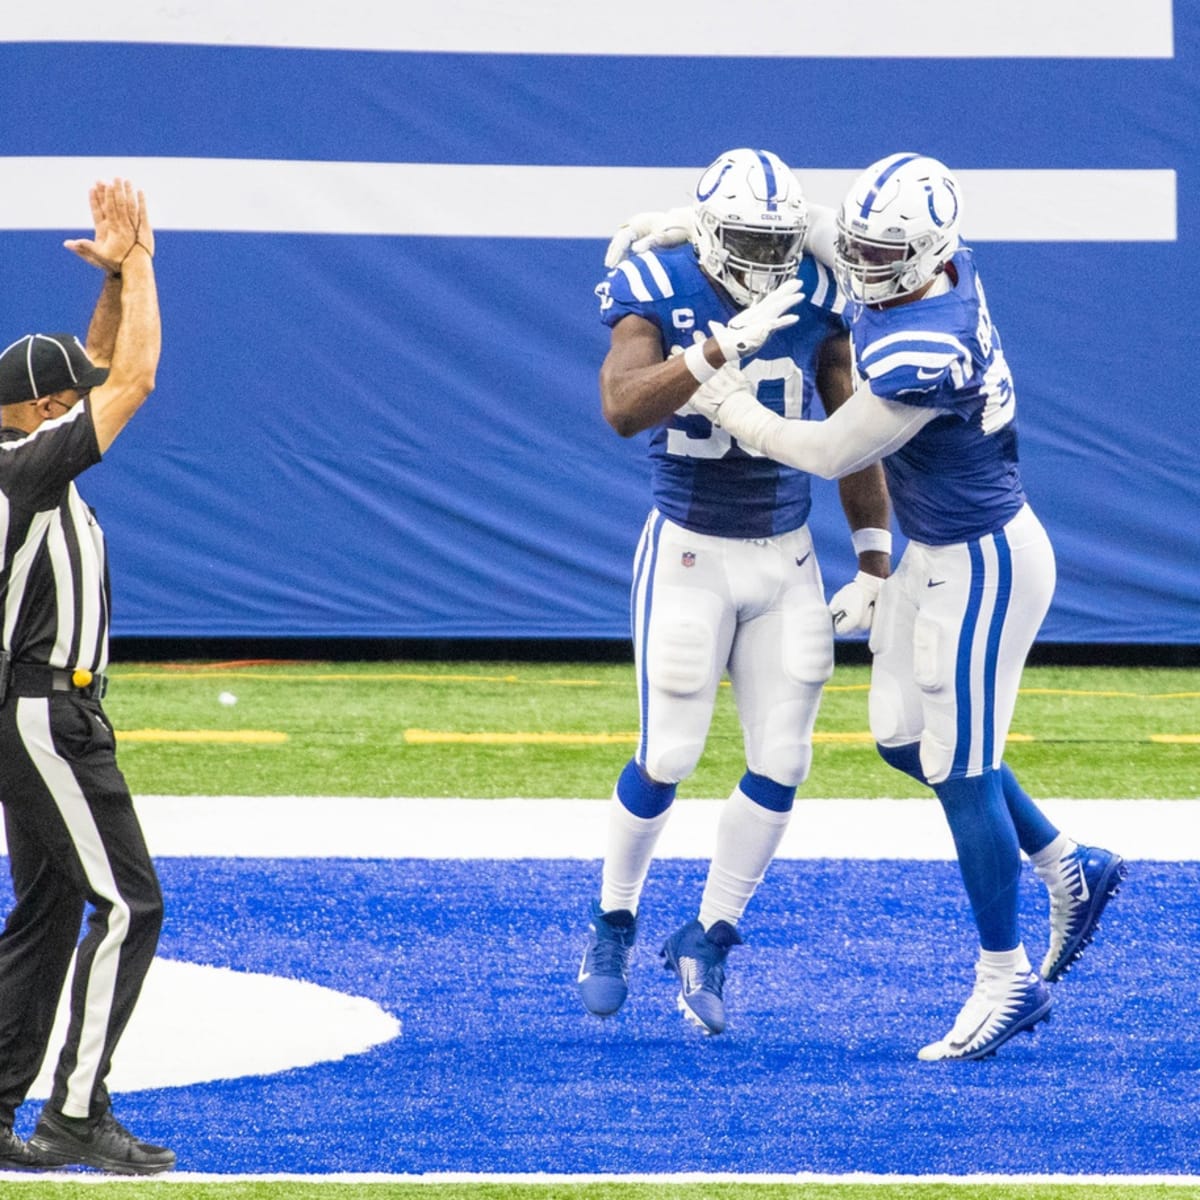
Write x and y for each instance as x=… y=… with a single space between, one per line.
x=74 y=842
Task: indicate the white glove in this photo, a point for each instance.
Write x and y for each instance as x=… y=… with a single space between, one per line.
x=853 y=606
x=821 y=235
x=726 y=393
x=746 y=332
x=649 y=230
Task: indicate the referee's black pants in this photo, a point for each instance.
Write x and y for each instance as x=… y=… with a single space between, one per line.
x=73 y=841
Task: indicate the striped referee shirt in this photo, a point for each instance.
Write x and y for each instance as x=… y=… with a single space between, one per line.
x=54 y=590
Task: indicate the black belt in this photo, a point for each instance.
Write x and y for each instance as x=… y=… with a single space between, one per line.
x=37 y=679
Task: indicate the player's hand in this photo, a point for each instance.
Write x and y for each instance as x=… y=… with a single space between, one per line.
x=853 y=606
x=727 y=390
x=649 y=230
x=745 y=333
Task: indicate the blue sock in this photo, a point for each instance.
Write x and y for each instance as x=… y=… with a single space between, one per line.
x=1034 y=830
x=768 y=793
x=906 y=758
x=988 y=855
x=643 y=796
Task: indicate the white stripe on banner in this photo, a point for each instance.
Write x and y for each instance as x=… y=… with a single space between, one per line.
x=770 y=28
x=444 y=828
x=443 y=199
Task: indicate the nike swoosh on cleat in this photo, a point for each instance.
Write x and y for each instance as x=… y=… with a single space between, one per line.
x=970 y=1036
x=689 y=976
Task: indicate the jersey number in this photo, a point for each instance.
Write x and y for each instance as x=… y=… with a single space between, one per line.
x=1000 y=400
x=700 y=438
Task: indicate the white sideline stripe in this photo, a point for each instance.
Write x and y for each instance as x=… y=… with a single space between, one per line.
x=442 y=199
x=867 y=28
x=439 y=828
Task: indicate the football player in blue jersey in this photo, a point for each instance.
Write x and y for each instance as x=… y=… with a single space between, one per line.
x=953 y=625
x=725 y=577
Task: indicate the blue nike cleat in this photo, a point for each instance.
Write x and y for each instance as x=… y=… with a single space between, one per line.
x=604 y=972
x=1085 y=881
x=698 y=959
x=1000 y=1007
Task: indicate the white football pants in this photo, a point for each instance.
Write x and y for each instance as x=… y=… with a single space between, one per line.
x=952 y=629
x=702 y=605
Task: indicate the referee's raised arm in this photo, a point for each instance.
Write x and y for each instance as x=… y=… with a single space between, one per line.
x=126 y=330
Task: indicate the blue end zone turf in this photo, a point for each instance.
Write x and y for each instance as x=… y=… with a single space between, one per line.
x=849 y=967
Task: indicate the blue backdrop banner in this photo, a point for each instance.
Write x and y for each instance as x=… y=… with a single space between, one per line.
x=377 y=411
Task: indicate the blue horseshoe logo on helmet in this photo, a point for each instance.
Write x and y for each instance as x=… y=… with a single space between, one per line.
x=702 y=196
x=933 y=211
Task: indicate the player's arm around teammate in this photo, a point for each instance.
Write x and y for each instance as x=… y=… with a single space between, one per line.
x=937 y=405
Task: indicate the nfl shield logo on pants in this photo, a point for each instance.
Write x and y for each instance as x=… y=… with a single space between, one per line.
x=688 y=558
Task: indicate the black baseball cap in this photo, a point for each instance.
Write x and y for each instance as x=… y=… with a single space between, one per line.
x=40 y=364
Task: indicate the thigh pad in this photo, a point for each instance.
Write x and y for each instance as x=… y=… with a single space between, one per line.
x=681 y=643
x=807 y=649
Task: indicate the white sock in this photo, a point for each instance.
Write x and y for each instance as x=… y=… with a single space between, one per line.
x=631 y=842
x=1005 y=962
x=1046 y=860
x=747 y=837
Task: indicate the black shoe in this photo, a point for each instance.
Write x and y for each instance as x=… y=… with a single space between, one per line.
x=15 y=1155
x=102 y=1142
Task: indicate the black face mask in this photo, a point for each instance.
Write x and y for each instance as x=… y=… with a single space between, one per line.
x=765 y=247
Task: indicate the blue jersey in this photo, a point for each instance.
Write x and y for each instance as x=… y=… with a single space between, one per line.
x=957 y=479
x=702 y=479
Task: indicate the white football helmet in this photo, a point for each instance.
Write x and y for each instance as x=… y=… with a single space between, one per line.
x=751 y=218
x=897 y=227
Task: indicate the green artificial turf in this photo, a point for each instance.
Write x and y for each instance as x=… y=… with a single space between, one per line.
x=347 y=729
